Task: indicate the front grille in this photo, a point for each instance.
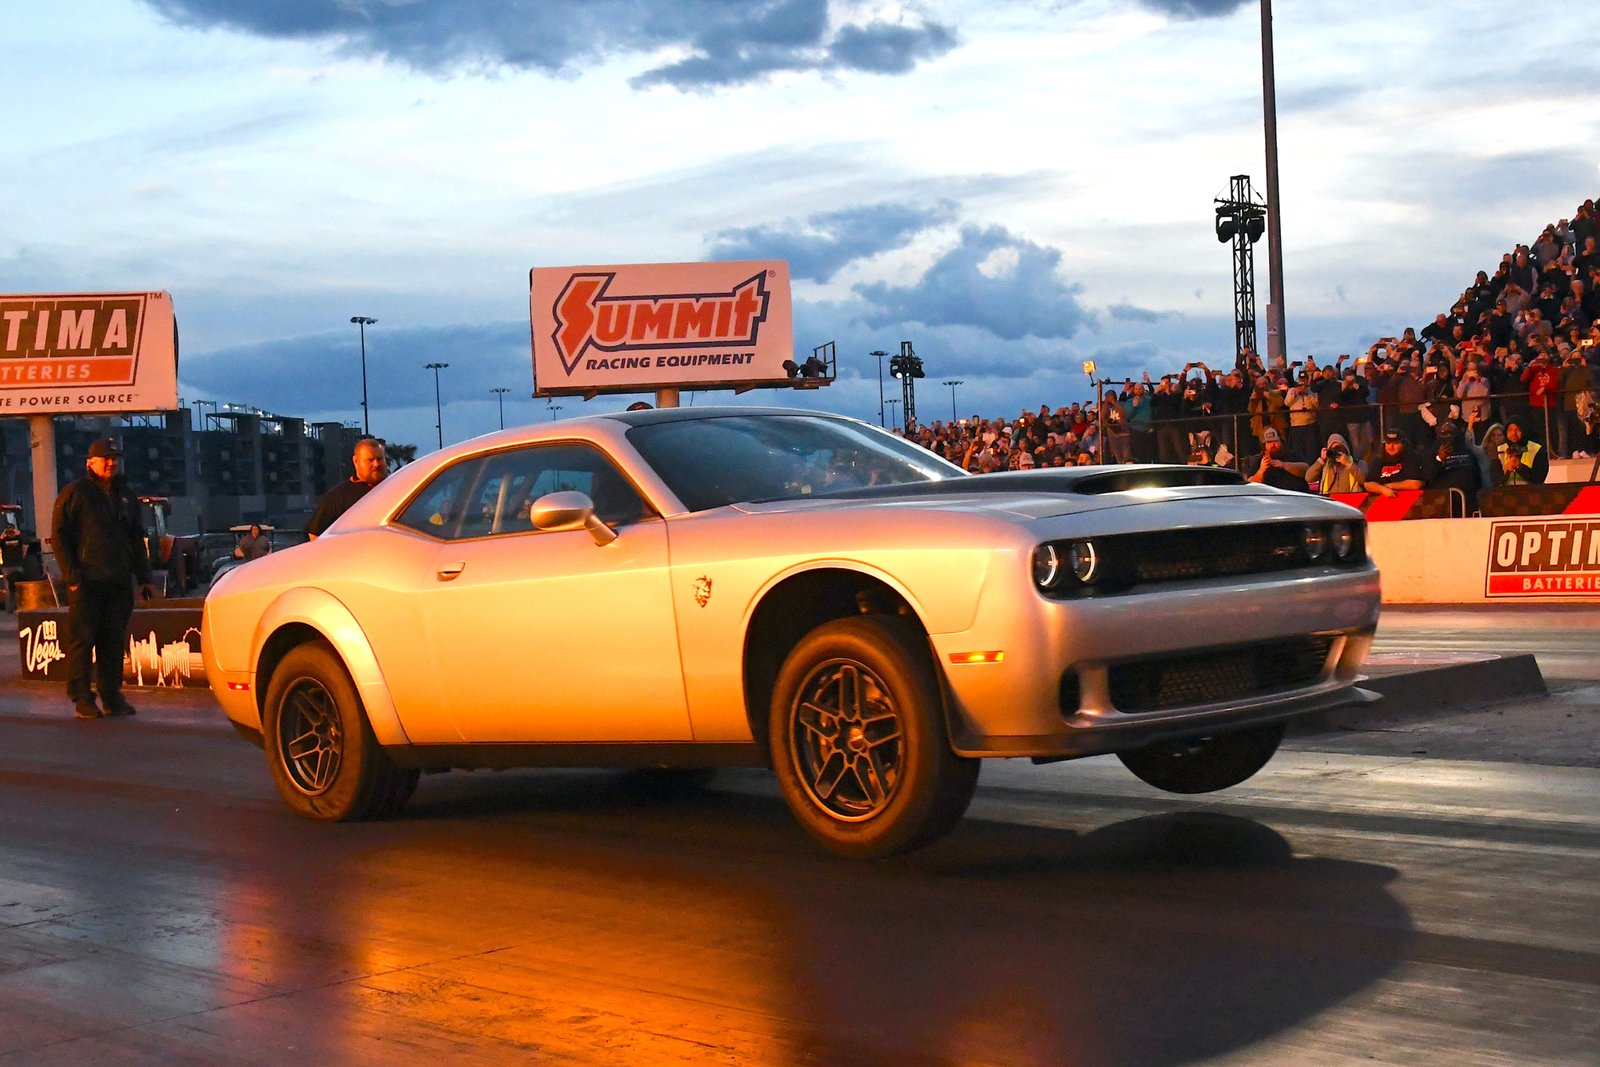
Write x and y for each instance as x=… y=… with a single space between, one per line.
x=1214 y=552
x=1218 y=675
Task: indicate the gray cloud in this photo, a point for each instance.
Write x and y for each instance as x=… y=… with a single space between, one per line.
x=319 y=375
x=972 y=285
x=729 y=41
x=1127 y=312
x=1193 y=9
x=825 y=243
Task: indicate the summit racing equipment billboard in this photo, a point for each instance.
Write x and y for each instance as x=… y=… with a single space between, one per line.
x=87 y=352
x=638 y=327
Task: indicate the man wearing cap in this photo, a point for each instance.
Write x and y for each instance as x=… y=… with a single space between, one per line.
x=1274 y=467
x=101 y=551
x=1396 y=469
x=1452 y=466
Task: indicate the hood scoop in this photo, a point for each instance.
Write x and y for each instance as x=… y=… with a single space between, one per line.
x=1081 y=481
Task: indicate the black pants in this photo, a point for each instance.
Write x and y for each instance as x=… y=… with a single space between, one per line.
x=97 y=626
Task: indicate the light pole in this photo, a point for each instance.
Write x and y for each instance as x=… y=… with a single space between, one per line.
x=362 y=322
x=1276 y=342
x=894 y=424
x=553 y=409
x=500 y=392
x=952 y=383
x=438 y=407
x=880 y=354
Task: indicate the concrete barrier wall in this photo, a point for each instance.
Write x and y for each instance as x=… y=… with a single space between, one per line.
x=1537 y=560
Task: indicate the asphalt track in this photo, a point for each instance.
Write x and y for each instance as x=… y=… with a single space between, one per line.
x=158 y=905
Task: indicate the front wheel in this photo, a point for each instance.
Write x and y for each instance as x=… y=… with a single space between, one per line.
x=1205 y=764
x=859 y=742
x=320 y=748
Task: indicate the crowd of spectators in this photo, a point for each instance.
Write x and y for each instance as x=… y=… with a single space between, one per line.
x=1484 y=395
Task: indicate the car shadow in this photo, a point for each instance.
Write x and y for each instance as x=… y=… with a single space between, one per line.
x=1162 y=939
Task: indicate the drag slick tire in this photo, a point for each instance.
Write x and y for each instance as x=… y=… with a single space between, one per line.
x=859 y=743
x=1205 y=764
x=320 y=749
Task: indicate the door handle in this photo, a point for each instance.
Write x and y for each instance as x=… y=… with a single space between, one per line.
x=451 y=570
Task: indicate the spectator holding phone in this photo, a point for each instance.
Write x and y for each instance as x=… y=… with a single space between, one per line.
x=1524 y=460
x=1274 y=466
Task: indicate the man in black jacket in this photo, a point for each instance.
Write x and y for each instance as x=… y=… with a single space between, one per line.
x=101 y=551
x=370 y=465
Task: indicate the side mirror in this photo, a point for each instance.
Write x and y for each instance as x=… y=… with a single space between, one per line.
x=569 y=510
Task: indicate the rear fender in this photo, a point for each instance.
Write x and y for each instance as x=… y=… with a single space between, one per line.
x=327 y=615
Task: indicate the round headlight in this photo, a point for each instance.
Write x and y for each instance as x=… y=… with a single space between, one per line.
x=1084 y=561
x=1344 y=540
x=1046 y=566
x=1315 y=541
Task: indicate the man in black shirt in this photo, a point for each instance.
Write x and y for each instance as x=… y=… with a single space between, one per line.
x=1396 y=469
x=1273 y=467
x=1452 y=466
x=100 y=548
x=370 y=465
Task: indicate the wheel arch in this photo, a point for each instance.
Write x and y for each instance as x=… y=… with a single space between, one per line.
x=304 y=615
x=798 y=603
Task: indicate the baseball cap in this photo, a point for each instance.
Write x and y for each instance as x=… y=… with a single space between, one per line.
x=1271 y=434
x=1393 y=435
x=104 y=448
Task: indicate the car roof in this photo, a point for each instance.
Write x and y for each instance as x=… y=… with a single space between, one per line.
x=654 y=416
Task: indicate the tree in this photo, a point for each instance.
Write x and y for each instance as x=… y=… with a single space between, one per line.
x=397 y=455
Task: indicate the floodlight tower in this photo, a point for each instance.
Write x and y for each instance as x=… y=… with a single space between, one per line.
x=1241 y=218
x=907 y=366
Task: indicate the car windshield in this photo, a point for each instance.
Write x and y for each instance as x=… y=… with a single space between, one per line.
x=746 y=458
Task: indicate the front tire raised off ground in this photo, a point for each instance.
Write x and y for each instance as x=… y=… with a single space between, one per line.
x=859 y=743
x=1205 y=764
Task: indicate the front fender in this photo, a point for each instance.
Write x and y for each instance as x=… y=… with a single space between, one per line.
x=328 y=616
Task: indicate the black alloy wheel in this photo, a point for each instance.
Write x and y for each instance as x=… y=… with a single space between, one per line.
x=310 y=737
x=859 y=741
x=847 y=740
x=324 y=758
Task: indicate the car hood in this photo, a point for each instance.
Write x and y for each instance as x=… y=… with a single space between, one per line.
x=1038 y=494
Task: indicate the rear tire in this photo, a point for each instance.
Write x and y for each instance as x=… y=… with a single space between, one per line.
x=324 y=759
x=1205 y=764
x=859 y=743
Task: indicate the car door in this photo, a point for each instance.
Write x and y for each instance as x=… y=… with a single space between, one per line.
x=539 y=636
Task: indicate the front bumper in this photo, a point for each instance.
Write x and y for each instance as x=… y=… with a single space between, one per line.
x=1068 y=664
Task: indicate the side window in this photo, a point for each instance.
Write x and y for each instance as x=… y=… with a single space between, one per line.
x=437 y=510
x=494 y=494
x=564 y=467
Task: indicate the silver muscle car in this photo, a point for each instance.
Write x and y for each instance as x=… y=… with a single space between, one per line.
x=695 y=588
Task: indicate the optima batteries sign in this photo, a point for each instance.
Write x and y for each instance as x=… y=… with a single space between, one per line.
x=1544 y=557
x=634 y=328
x=87 y=352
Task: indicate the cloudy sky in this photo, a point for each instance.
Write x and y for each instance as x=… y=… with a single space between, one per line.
x=1013 y=185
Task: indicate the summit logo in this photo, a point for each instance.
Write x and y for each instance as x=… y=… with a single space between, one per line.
x=587 y=317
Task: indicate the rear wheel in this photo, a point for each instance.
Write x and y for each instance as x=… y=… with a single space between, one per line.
x=1205 y=764
x=859 y=742
x=320 y=748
